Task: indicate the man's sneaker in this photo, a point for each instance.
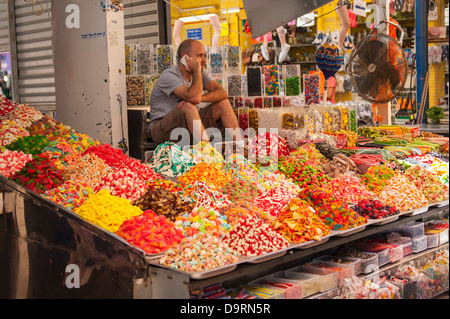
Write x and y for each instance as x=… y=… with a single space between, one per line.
x=284 y=52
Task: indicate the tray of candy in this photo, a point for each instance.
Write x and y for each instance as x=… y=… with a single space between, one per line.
x=416 y=211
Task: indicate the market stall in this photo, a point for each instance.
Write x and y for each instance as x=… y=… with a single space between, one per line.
x=184 y=221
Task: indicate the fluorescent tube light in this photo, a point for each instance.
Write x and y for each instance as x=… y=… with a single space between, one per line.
x=204 y=17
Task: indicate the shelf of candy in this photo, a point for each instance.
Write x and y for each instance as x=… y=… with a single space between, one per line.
x=291 y=79
x=135 y=90
x=164 y=57
x=271 y=80
x=233 y=59
x=216 y=60
x=254 y=81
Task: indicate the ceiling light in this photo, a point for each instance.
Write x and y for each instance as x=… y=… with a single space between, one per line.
x=230 y=10
x=203 y=17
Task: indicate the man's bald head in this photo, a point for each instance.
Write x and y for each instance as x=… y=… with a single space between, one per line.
x=186 y=47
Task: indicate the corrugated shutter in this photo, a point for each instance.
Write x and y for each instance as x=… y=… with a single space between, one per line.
x=144 y=21
x=34 y=45
x=4 y=26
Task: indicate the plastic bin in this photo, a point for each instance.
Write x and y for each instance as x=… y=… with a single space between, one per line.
x=322 y=268
x=323 y=281
x=432 y=240
x=419 y=244
x=260 y=290
x=383 y=254
x=337 y=261
x=293 y=292
x=408 y=288
x=412 y=229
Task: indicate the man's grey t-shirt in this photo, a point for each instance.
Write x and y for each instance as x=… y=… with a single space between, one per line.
x=163 y=100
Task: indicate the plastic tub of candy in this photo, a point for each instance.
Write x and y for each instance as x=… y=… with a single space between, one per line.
x=369 y=263
x=330 y=294
x=261 y=290
x=383 y=253
x=324 y=281
x=395 y=253
x=419 y=244
x=322 y=268
x=407 y=248
x=337 y=261
x=293 y=289
x=408 y=289
x=412 y=229
x=432 y=240
x=438 y=227
x=310 y=282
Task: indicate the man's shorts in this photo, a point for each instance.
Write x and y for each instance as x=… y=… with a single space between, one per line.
x=161 y=130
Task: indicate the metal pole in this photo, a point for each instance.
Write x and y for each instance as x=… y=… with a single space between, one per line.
x=421 y=9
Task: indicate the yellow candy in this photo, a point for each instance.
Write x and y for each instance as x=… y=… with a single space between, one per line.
x=107 y=211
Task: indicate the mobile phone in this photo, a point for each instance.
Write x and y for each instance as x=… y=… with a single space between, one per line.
x=183 y=61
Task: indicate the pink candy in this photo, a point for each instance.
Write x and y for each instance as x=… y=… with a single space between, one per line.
x=12 y=162
x=123 y=183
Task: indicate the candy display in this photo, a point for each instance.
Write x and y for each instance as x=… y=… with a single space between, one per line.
x=197 y=253
x=250 y=236
x=299 y=223
x=12 y=161
x=41 y=173
x=71 y=194
x=151 y=232
x=89 y=169
x=163 y=202
x=202 y=220
x=123 y=183
x=199 y=208
x=349 y=189
x=271 y=79
x=374 y=209
x=106 y=210
x=428 y=183
x=403 y=194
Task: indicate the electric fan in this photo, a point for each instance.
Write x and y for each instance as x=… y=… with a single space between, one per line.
x=378 y=66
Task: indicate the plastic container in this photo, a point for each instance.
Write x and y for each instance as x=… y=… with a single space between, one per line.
x=144 y=53
x=243 y=118
x=322 y=268
x=370 y=263
x=337 y=261
x=412 y=229
x=419 y=244
x=216 y=60
x=277 y=101
x=432 y=240
x=293 y=292
x=310 y=282
x=408 y=289
x=233 y=62
x=383 y=254
x=164 y=57
x=150 y=81
x=438 y=227
x=135 y=86
x=324 y=281
x=253 y=119
x=254 y=81
x=234 y=84
x=130 y=59
x=330 y=294
x=291 y=79
x=271 y=80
